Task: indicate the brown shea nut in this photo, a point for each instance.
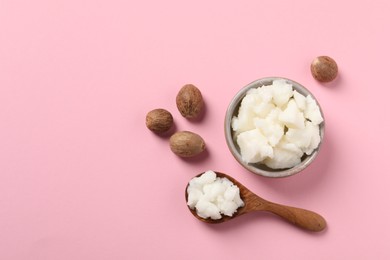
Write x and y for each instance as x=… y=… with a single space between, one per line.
x=159 y=120
x=324 y=69
x=189 y=101
x=186 y=144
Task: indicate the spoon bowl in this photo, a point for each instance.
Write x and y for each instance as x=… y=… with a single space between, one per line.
x=302 y=218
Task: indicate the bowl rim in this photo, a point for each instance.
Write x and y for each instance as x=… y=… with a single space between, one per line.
x=233 y=147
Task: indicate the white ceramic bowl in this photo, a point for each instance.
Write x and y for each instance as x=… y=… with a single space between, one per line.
x=258 y=168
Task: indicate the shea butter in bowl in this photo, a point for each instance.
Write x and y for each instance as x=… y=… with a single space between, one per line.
x=274 y=127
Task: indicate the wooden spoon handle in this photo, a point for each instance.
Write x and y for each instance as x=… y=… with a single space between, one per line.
x=303 y=218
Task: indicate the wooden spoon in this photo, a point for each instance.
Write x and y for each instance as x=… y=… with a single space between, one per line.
x=303 y=218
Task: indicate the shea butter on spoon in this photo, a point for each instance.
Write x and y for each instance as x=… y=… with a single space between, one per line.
x=212 y=196
x=205 y=202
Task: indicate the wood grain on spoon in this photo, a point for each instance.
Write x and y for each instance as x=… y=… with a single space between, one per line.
x=302 y=218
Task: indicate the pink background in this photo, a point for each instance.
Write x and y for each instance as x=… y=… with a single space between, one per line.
x=81 y=177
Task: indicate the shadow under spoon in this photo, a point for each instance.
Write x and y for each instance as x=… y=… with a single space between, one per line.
x=302 y=218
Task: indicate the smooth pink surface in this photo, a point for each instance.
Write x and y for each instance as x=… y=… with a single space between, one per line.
x=81 y=177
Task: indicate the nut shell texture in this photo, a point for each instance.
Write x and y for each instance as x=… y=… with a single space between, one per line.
x=324 y=69
x=159 y=120
x=189 y=101
x=186 y=144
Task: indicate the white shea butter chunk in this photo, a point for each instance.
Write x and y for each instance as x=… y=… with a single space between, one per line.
x=245 y=122
x=313 y=131
x=212 y=196
x=292 y=117
x=271 y=129
x=263 y=109
x=312 y=111
x=307 y=139
x=276 y=125
x=254 y=146
x=281 y=92
x=286 y=155
x=300 y=100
